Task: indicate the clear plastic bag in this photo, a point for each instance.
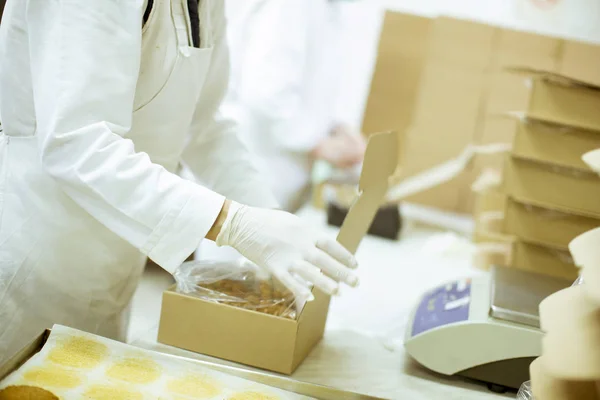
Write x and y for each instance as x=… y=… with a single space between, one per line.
x=525 y=392
x=239 y=283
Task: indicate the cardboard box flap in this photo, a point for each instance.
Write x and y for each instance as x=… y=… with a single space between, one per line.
x=380 y=163
x=553 y=143
x=553 y=77
x=526 y=117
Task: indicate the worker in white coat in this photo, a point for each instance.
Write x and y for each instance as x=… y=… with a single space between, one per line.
x=100 y=101
x=288 y=58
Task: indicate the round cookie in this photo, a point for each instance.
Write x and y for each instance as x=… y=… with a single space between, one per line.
x=135 y=370
x=79 y=352
x=195 y=386
x=99 y=392
x=26 y=393
x=53 y=377
x=252 y=396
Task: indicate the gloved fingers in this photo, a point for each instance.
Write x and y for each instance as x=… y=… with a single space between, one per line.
x=259 y=272
x=312 y=274
x=299 y=290
x=337 y=251
x=333 y=268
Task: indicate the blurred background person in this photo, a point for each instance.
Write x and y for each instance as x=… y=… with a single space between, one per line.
x=286 y=80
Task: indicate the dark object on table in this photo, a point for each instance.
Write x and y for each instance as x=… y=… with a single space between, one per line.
x=387 y=222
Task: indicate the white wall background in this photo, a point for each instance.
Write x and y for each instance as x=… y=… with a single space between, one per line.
x=572 y=19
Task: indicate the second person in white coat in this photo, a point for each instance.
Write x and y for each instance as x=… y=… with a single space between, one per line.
x=287 y=59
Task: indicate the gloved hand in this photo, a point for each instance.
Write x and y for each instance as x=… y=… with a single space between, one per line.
x=286 y=246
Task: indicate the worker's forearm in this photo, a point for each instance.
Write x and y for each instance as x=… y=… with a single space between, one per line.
x=218 y=224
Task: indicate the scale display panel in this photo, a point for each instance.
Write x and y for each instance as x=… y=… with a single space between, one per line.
x=443 y=305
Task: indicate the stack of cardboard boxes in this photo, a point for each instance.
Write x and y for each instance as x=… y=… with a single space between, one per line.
x=442 y=83
x=551 y=195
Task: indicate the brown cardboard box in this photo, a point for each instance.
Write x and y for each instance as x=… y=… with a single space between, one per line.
x=545 y=185
x=555 y=144
x=507 y=92
x=400 y=60
x=526 y=49
x=543 y=260
x=261 y=340
x=492 y=249
x=581 y=61
x=246 y=337
x=489 y=200
x=447 y=107
x=562 y=100
x=457 y=42
x=545 y=226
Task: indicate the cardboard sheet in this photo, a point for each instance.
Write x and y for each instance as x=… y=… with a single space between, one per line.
x=75 y=365
x=581 y=60
x=395 y=84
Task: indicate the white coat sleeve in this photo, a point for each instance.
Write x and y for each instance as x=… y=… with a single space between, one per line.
x=215 y=153
x=85 y=58
x=274 y=74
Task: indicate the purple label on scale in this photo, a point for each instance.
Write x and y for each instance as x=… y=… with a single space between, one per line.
x=442 y=306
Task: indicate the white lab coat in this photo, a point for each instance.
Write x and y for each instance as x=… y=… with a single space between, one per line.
x=287 y=59
x=97 y=114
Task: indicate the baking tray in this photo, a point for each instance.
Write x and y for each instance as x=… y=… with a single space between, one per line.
x=284 y=383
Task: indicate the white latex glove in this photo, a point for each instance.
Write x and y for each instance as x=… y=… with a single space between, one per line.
x=287 y=247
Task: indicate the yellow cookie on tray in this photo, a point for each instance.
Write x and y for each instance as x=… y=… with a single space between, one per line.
x=196 y=386
x=26 y=393
x=107 y=392
x=253 y=396
x=79 y=352
x=137 y=370
x=53 y=377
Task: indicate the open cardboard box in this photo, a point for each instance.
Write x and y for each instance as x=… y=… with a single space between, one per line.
x=264 y=341
x=561 y=99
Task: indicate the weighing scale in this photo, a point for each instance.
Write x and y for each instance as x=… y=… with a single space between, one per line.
x=485 y=328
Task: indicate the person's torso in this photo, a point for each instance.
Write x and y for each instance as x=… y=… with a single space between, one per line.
x=39 y=223
x=315 y=97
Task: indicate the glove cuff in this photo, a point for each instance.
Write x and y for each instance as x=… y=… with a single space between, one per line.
x=224 y=238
